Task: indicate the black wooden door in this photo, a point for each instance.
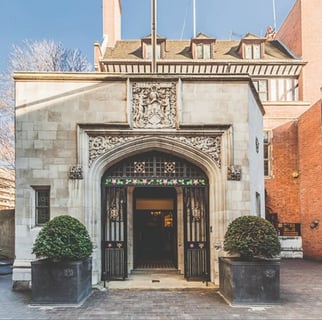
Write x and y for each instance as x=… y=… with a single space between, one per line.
x=196 y=233
x=114 y=234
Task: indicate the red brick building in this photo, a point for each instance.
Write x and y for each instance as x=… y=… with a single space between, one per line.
x=310 y=168
x=294 y=190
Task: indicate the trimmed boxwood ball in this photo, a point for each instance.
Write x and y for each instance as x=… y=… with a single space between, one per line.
x=252 y=236
x=63 y=238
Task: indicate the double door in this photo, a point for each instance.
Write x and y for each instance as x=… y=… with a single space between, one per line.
x=155 y=234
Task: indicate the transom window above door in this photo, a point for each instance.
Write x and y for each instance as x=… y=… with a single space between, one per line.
x=155 y=168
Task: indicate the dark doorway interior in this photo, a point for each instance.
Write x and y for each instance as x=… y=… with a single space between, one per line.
x=155 y=239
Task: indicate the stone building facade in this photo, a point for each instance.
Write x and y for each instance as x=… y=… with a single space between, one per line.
x=171 y=148
x=77 y=132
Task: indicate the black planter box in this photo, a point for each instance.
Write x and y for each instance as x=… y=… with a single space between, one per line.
x=60 y=282
x=249 y=282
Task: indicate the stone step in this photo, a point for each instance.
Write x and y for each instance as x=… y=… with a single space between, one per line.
x=155 y=270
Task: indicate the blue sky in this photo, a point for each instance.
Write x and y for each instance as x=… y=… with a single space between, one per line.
x=78 y=23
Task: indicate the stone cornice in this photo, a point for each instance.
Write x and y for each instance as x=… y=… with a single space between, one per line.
x=101 y=76
x=252 y=67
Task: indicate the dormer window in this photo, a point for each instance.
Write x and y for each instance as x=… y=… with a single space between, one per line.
x=252 y=47
x=146 y=46
x=252 y=51
x=148 y=51
x=202 y=47
x=203 y=51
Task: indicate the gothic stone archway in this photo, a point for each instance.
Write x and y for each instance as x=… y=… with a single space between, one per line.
x=155 y=171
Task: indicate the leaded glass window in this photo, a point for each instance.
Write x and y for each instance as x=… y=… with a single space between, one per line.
x=42 y=212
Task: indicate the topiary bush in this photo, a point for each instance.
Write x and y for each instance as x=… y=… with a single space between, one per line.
x=63 y=238
x=252 y=236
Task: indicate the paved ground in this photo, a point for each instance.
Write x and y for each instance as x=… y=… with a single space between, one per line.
x=301 y=298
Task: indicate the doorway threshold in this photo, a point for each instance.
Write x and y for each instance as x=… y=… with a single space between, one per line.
x=158 y=280
x=155 y=270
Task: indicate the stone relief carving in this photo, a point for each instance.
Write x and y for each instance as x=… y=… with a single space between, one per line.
x=99 y=145
x=234 y=173
x=76 y=172
x=154 y=105
x=211 y=145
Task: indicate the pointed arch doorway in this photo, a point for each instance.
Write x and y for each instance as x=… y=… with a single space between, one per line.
x=155 y=213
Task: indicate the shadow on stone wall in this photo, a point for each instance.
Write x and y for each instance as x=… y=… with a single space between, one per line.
x=7 y=233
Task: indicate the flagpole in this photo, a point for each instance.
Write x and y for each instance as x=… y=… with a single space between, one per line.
x=153 y=35
x=194 y=17
x=274 y=15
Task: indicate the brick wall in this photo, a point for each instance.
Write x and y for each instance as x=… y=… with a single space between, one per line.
x=282 y=189
x=300 y=33
x=290 y=31
x=310 y=151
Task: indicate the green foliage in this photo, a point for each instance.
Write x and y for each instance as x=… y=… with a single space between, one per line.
x=252 y=236
x=63 y=238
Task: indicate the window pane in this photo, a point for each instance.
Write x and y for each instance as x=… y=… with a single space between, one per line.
x=296 y=90
x=199 y=51
x=262 y=85
x=148 y=51
x=43 y=199
x=206 y=53
x=273 y=90
x=267 y=153
x=281 y=90
x=42 y=213
x=256 y=85
x=289 y=90
x=263 y=90
x=158 y=53
x=266 y=171
x=256 y=51
x=248 y=51
x=265 y=136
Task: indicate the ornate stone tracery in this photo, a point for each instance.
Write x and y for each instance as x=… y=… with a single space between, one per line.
x=98 y=145
x=210 y=145
x=154 y=105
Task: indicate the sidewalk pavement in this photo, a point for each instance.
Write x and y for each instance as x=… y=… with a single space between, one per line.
x=301 y=298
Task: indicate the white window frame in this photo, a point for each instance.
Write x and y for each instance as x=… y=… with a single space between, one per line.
x=148 y=51
x=261 y=86
x=277 y=90
x=203 y=51
x=283 y=89
x=252 y=51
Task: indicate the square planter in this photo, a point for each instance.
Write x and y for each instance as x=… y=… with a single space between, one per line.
x=249 y=282
x=64 y=282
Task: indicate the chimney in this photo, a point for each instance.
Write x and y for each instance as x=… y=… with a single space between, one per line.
x=112 y=11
